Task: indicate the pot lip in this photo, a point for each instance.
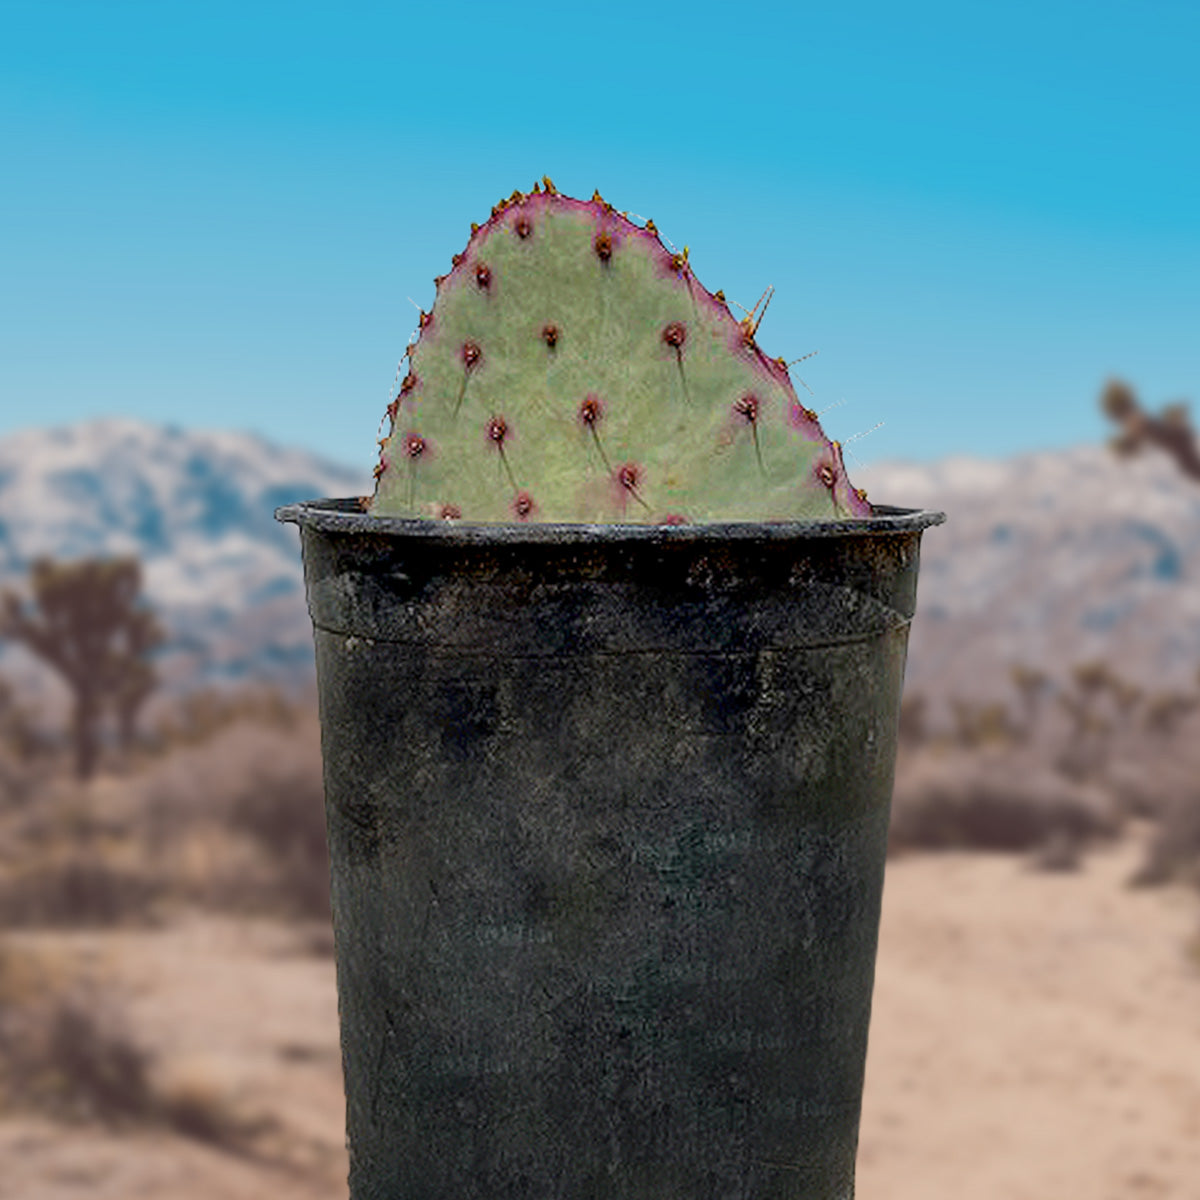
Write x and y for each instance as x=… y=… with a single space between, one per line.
x=344 y=514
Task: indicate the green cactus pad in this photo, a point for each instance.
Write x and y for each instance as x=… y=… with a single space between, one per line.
x=574 y=369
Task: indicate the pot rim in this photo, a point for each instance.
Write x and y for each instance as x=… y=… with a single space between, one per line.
x=344 y=514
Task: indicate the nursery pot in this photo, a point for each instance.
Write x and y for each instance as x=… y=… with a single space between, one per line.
x=607 y=812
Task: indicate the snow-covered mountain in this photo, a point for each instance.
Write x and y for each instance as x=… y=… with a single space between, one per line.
x=196 y=508
x=1047 y=559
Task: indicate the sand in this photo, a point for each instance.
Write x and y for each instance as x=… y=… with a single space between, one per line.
x=1034 y=1036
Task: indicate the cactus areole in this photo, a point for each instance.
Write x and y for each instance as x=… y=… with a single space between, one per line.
x=574 y=370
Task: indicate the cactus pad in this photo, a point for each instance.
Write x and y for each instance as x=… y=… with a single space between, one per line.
x=574 y=369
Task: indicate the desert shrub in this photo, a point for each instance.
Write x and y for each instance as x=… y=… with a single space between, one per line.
x=93 y=1065
x=203 y=714
x=79 y=886
x=284 y=811
x=236 y=823
x=1148 y=783
x=1174 y=849
x=257 y=785
x=26 y=761
x=1061 y=851
x=1165 y=711
x=978 y=724
x=66 y=1051
x=992 y=800
x=194 y=1101
x=75 y=856
x=913 y=727
x=18 y=780
x=63 y=1047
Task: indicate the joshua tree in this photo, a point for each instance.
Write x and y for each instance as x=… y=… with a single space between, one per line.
x=86 y=623
x=138 y=677
x=1171 y=430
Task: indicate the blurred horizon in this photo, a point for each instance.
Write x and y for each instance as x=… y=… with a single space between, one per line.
x=227 y=218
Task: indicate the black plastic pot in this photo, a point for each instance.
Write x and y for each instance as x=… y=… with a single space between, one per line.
x=607 y=814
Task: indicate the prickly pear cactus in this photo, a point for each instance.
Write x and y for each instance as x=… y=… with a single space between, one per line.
x=574 y=369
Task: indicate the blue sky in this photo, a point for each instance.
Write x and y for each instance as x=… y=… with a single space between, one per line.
x=215 y=214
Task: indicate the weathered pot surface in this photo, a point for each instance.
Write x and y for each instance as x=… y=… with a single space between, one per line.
x=607 y=813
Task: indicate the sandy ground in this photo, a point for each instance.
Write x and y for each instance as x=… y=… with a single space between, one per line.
x=241 y=1013
x=1035 y=1037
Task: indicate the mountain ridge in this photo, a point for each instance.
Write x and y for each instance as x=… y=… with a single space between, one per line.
x=1047 y=558
x=197 y=508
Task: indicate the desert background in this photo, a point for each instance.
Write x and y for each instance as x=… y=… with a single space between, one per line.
x=977 y=232
x=168 y=1016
